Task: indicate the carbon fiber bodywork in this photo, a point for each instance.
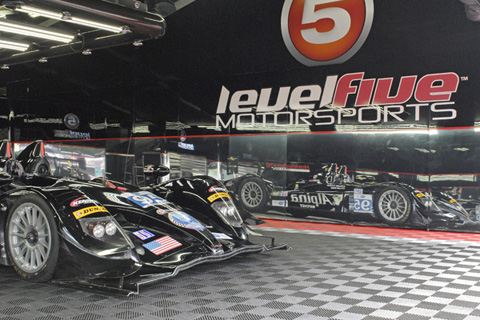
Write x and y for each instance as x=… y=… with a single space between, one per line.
x=149 y=236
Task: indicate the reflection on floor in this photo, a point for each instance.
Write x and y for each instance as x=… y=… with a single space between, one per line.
x=338 y=272
x=374 y=231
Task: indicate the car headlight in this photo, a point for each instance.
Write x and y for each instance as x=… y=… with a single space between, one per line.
x=110 y=228
x=98 y=230
x=105 y=229
x=228 y=212
x=99 y=227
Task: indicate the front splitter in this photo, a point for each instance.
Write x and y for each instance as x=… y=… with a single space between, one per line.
x=131 y=284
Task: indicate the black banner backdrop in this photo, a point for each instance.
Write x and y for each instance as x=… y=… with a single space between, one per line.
x=342 y=111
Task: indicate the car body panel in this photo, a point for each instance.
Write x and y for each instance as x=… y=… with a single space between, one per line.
x=159 y=230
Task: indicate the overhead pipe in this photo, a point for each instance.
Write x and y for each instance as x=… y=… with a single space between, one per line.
x=71 y=48
x=133 y=14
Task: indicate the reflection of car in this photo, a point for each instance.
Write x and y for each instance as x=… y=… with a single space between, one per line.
x=334 y=190
x=103 y=232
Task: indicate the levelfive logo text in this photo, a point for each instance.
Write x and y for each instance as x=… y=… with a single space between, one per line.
x=319 y=32
x=370 y=101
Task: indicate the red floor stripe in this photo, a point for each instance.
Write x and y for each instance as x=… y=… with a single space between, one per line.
x=374 y=231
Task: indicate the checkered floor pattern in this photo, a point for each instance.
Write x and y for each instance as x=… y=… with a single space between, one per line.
x=326 y=275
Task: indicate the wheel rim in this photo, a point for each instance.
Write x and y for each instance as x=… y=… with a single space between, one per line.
x=393 y=205
x=252 y=194
x=30 y=238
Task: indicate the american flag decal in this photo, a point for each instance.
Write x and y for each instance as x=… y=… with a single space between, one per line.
x=162 y=245
x=143 y=234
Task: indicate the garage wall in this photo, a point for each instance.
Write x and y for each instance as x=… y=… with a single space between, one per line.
x=225 y=83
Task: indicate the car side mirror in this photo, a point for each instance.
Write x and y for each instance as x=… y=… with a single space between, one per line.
x=155 y=171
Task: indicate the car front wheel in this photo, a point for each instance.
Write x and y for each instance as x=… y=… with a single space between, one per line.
x=252 y=194
x=32 y=239
x=393 y=206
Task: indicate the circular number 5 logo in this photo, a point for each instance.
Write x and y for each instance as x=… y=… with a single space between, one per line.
x=320 y=32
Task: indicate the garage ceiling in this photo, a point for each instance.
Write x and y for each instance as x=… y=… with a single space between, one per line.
x=42 y=29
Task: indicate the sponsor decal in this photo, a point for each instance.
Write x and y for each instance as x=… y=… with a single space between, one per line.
x=321 y=32
x=312 y=200
x=88 y=211
x=279 y=203
x=143 y=234
x=183 y=136
x=71 y=121
x=186 y=146
x=280 y=193
x=288 y=167
x=219 y=195
x=114 y=197
x=144 y=199
x=372 y=98
x=161 y=211
x=71 y=134
x=162 y=245
x=477 y=213
x=363 y=203
x=420 y=195
x=335 y=186
x=221 y=236
x=81 y=201
x=184 y=220
x=216 y=189
x=307 y=206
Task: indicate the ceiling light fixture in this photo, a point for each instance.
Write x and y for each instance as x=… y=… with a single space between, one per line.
x=93 y=24
x=14 y=45
x=28 y=30
x=67 y=17
x=37 y=12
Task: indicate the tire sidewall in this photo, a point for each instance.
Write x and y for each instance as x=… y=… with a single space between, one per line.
x=47 y=271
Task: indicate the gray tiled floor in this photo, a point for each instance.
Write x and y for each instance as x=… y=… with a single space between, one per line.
x=324 y=276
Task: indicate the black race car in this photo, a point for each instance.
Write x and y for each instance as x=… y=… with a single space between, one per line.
x=107 y=234
x=335 y=193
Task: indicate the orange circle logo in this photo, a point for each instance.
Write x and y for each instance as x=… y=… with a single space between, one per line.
x=320 y=32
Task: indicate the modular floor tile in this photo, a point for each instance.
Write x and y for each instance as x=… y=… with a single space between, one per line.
x=326 y=275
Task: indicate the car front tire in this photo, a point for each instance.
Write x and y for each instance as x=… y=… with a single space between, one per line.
x=393 y=206
x=252 y=194
x=32 y=239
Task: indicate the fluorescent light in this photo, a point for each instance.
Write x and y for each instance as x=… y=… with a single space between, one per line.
x=93 y=24
x=27 y=30
x=35 y=12
x=13 y=45
x=67 y=17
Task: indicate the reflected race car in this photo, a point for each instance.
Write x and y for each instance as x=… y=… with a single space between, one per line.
x=333 y=191
x=109 y=235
